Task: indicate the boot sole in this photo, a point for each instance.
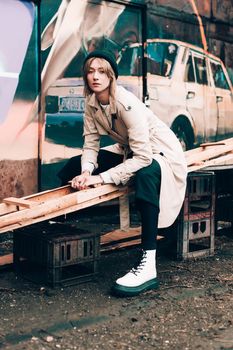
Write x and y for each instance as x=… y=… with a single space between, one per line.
x=124 y=291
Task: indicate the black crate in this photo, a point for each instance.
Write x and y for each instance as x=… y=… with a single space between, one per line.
x=195 y=225
x=56 y=254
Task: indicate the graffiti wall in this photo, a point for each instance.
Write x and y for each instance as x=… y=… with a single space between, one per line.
x=174 y=55
x=18 y=90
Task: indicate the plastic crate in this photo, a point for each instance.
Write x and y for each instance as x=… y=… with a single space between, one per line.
x=200 y=196
x=200 y=184
x=56 y=254
x=195 y=225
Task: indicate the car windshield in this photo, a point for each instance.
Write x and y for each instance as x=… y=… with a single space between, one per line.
x=161 y=58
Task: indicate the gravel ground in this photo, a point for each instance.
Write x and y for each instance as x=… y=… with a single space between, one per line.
x=192 y=309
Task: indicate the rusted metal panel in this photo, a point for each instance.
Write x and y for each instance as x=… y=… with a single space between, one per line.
x=18 y=177
x=222 y=10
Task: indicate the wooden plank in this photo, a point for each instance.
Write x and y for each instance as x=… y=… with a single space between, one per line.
x=209 y=144
x=7 y=209
x=124 y=212
x=120 y=235
x=20 y=202
x=204 y=145
x=22 y=221
x=117 y=235
x=6 y=259
x=223 y=160
x=57 y=204
x=51 y=194
x=208 y=154
x=118 y=239
x=40 y=197
x=119 y=245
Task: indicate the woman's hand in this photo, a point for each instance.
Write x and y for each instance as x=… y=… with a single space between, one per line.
x=83 y=181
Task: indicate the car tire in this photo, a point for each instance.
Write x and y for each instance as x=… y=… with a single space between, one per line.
x=184 y=132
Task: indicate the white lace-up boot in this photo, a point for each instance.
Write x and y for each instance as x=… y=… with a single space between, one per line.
x=140 y=278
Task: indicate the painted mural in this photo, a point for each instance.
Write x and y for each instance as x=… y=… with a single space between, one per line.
x=177 y=56
x=18 y=90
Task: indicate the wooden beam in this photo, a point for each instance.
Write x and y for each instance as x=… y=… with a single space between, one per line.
x=204 y=145
x=208 y=154
x=6 y=259
x=120 y=238
x=223 y=160
x=20 y=202
x=61 y=206
x=117 y=235
x=118 y=245
x=209 y=144
x=38 y=197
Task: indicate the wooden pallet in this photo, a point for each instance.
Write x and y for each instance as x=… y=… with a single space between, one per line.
x=19 y=212
x=210 y=154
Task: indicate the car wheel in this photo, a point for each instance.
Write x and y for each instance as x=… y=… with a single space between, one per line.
x=184 y=132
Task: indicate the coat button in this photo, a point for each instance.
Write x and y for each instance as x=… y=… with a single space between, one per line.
x=129 y=108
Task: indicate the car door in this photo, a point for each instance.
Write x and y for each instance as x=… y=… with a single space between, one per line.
x=196 y=83
x=223 y=99
x=165 y=87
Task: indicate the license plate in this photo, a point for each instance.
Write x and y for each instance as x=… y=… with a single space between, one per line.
x=71 y=104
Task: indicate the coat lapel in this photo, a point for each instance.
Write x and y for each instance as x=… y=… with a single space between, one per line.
x=106 y=119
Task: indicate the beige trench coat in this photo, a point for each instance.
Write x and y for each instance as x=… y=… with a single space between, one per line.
x=135 y=128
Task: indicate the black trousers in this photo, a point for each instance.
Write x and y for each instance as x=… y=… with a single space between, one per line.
x=147 y=190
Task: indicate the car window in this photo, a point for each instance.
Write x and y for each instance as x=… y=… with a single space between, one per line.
x=130 y=61
x=161 y=58
x=195 y=70
x=200 y=68
x=189 y=70
x=220 y=80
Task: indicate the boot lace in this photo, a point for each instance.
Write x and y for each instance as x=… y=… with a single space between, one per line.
x=140 y=264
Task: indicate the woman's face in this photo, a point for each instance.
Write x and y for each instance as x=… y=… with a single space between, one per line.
x=97 y=79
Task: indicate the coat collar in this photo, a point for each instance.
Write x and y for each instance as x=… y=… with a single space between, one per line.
x=105 y=120
x=93 y=102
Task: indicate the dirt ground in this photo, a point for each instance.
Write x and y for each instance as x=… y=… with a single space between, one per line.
x=192 y=309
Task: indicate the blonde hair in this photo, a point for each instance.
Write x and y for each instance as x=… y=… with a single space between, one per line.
x=107 y=70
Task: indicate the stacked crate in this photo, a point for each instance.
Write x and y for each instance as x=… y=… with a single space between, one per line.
x=195 y=224
x=56 y=254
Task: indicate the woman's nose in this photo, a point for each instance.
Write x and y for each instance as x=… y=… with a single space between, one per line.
x=95 y=75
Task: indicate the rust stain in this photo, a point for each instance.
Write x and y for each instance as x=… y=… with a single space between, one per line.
x=18 y=178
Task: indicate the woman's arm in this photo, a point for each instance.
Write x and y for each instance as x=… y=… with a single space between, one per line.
x=91 y=142
x=136 y=123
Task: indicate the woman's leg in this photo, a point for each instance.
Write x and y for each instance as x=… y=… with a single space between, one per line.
x=72 y=168
x=147 y=185
x=149 y=223
x=144 y=275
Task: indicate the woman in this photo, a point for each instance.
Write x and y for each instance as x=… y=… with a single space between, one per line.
x=146 y=150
